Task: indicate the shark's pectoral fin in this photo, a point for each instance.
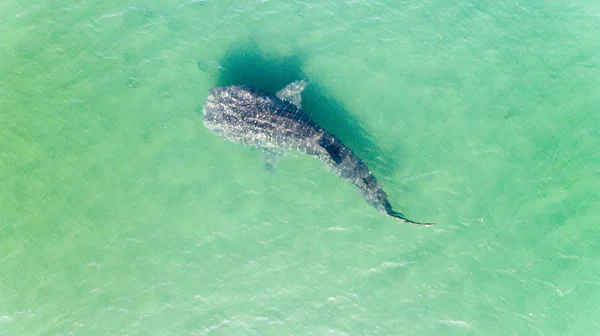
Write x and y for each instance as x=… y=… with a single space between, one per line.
x=292 y=93
x=270 y=157
x=269 y=168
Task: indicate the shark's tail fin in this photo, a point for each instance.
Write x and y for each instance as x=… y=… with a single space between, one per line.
x=401 y=217
x=397 y=215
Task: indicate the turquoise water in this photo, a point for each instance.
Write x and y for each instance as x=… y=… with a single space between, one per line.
x=122 y=215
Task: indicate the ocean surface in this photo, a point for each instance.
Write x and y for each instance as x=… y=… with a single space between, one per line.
x=121 y=214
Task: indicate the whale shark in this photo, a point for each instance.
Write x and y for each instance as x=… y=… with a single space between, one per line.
x=277 y=123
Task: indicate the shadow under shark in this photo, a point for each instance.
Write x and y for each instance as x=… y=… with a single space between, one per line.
x=276 y=124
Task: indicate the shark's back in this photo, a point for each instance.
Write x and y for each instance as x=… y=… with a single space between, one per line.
x=255 y=118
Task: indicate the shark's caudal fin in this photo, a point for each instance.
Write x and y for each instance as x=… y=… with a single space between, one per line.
x=401 y=217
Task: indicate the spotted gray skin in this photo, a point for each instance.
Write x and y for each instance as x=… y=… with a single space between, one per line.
x=277 y=123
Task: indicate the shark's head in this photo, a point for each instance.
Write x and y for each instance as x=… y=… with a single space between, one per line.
x=218 y=100
x=231 y=100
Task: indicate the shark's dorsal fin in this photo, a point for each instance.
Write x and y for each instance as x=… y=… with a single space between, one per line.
x=333 y=148
x=292 y=93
